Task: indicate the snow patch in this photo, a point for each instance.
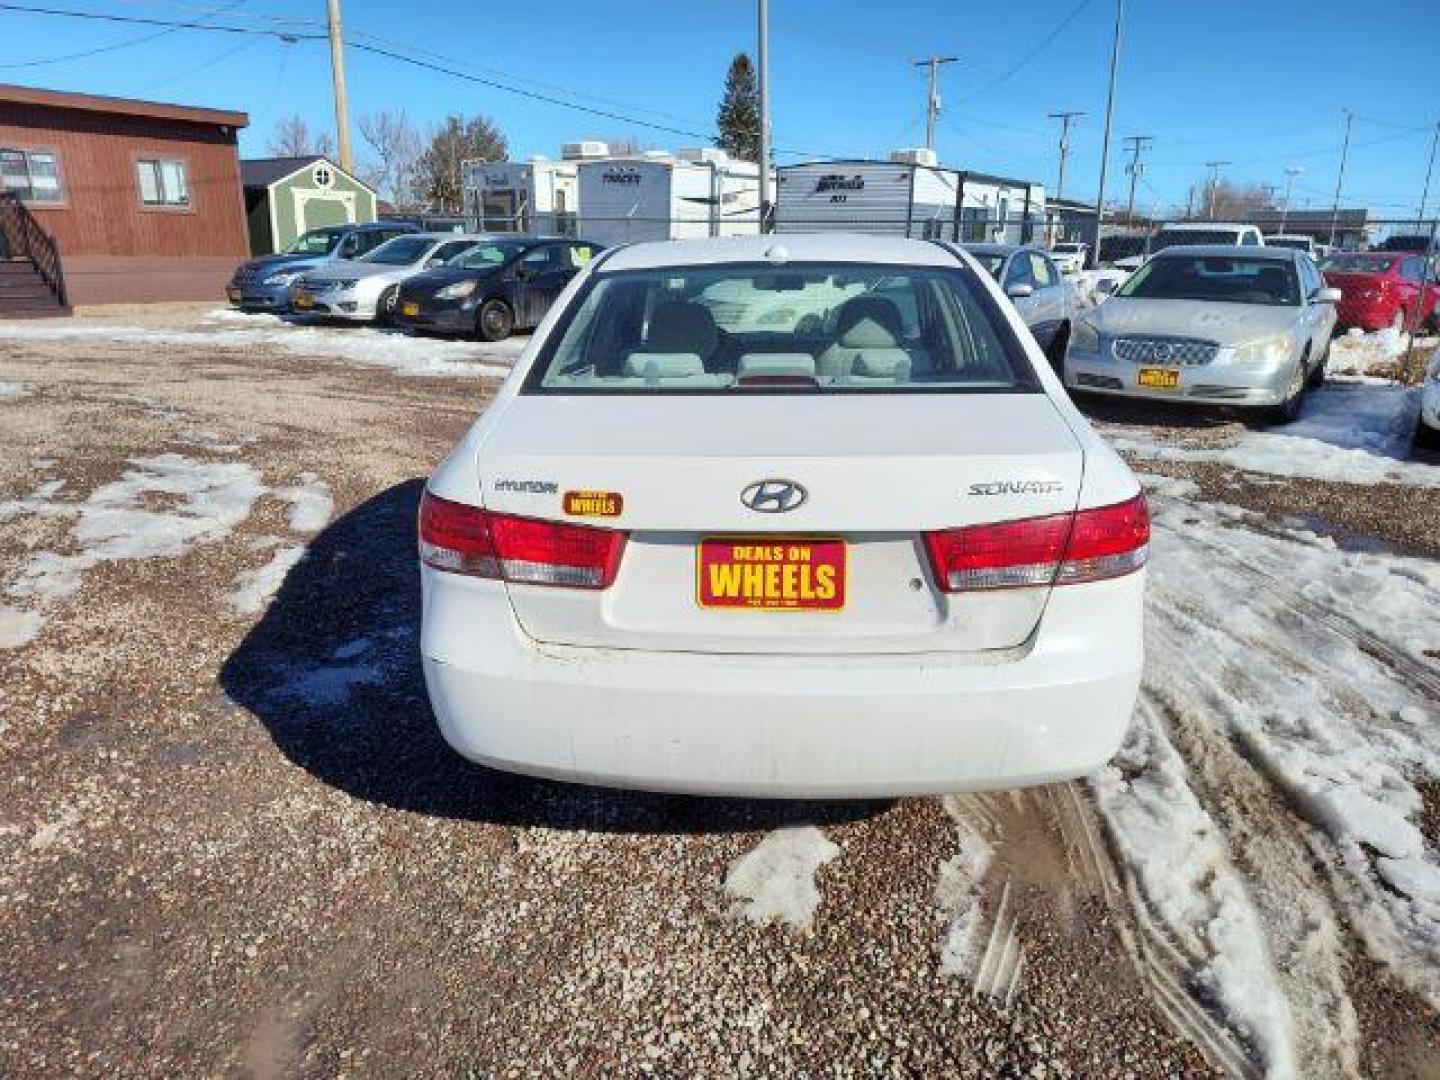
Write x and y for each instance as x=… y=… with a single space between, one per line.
x=9 y=391
x=776 y=879
x=1351 y=431
x=396 y=351
x=1357 y=353
x=1179 y=856
x=162 y=506
x=310 y=503
x=255 y=588
x=959 y=892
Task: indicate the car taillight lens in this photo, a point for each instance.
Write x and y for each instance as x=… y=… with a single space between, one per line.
x=1062 y=549
x=467 y=540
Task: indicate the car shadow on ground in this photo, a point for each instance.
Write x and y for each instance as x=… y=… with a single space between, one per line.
x=333 y=672
x=1116 y=410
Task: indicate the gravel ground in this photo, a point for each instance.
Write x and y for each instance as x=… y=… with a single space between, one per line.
x=235 y=844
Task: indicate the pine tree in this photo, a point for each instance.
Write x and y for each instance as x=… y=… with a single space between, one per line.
x=738 y=118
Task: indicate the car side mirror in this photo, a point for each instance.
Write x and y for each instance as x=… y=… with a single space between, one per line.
x=1327 y=295
x=1020 y=291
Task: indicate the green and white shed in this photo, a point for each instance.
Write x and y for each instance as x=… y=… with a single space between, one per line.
x=284 y=197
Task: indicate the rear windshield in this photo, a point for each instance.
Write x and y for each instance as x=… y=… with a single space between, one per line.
x=1067 y=249
x=1174 y=237
x=1222 y=279
x=796 y=328
x=1359 y=264
x=1296 y=243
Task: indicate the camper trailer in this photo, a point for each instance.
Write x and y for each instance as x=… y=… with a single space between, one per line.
x=535 y=196
x=660 y=196
x=908 y=195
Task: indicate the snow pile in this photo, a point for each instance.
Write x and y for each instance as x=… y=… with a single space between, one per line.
x=9 y=391
x=1179 y=856
x=396 y=351
x=776 y=878
x=1357 y=353
x=1352 y=431
x=1313 y=662
x=959 y=893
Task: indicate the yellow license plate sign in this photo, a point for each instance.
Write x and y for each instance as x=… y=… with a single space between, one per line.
x=1158 y=378
x=410 y=309
x=594 y=503
x=304 y=300
x=233 y=294
x=771 y=573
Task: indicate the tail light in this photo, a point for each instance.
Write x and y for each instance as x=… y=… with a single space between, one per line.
x=467 y=540
x=1062 y=549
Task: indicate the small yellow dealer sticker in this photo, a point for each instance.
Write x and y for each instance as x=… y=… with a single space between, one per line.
x=594 y=503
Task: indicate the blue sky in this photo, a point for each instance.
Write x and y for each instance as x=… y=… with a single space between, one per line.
x=1260 y=83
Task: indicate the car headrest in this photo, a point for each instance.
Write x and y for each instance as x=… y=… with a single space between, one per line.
x=652 y=367
x=869 y=322
x=793 y=364
x=882 y=364
x=682 y=326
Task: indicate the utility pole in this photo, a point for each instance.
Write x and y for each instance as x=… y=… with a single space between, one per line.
x=1425 y=193
x=932 y=103
x=337 y=73
x=1094 y=259
x=1210 y=187
x=763 y=53
x=1291 y=171
x=1340 y=177
x=1138 y=143
x=1066 y=119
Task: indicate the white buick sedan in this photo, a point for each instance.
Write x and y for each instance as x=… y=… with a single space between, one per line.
x=784 y=516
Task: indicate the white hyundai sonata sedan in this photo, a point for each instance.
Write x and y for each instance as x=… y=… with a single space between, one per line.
x=784 y=516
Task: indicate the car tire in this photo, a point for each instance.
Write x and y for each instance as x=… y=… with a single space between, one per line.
x=1288 y=411
x=495 y=321
x=1316 y=378
x=1056 y=352
x=385 y=306
x=1426 y=437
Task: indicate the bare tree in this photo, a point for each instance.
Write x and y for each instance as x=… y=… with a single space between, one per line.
x=1225 y=200
x=292 y=138
x=458 y=139
x=396 y=145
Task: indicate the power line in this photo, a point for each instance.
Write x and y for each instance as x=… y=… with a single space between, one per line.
x=116 y=45
x=1029 y=56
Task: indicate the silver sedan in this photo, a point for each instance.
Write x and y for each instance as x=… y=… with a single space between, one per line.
x=364 y=289
x=1241 y=326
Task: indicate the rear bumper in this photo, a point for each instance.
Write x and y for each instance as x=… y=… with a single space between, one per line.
x=785 y=726
x=1216 y=383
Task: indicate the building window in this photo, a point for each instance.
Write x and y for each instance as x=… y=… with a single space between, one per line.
x=32 y=175
x=162 y=182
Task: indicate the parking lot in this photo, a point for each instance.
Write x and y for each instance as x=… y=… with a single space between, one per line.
x=232 y=841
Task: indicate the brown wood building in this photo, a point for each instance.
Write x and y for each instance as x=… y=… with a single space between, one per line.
x=142 y=199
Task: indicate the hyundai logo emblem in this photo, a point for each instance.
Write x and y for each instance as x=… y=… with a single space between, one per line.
x=773 y=496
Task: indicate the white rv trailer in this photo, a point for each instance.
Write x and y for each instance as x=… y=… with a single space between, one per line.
x=660 y=196
x=535 y=196
x=909 y=195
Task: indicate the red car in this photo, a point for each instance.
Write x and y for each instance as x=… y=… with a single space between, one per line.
x=1382 y=288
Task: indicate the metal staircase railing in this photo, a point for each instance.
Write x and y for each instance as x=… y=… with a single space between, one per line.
x=22 y=235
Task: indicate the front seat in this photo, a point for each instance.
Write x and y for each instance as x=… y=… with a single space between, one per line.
x=682 y=326
x=869 y=330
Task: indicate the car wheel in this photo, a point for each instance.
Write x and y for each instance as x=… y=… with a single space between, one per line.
x=1426 y=437
x=1289 y=410
x=494 y=321
x=1058 y=345
x=1316 y=378
x=386 y=304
